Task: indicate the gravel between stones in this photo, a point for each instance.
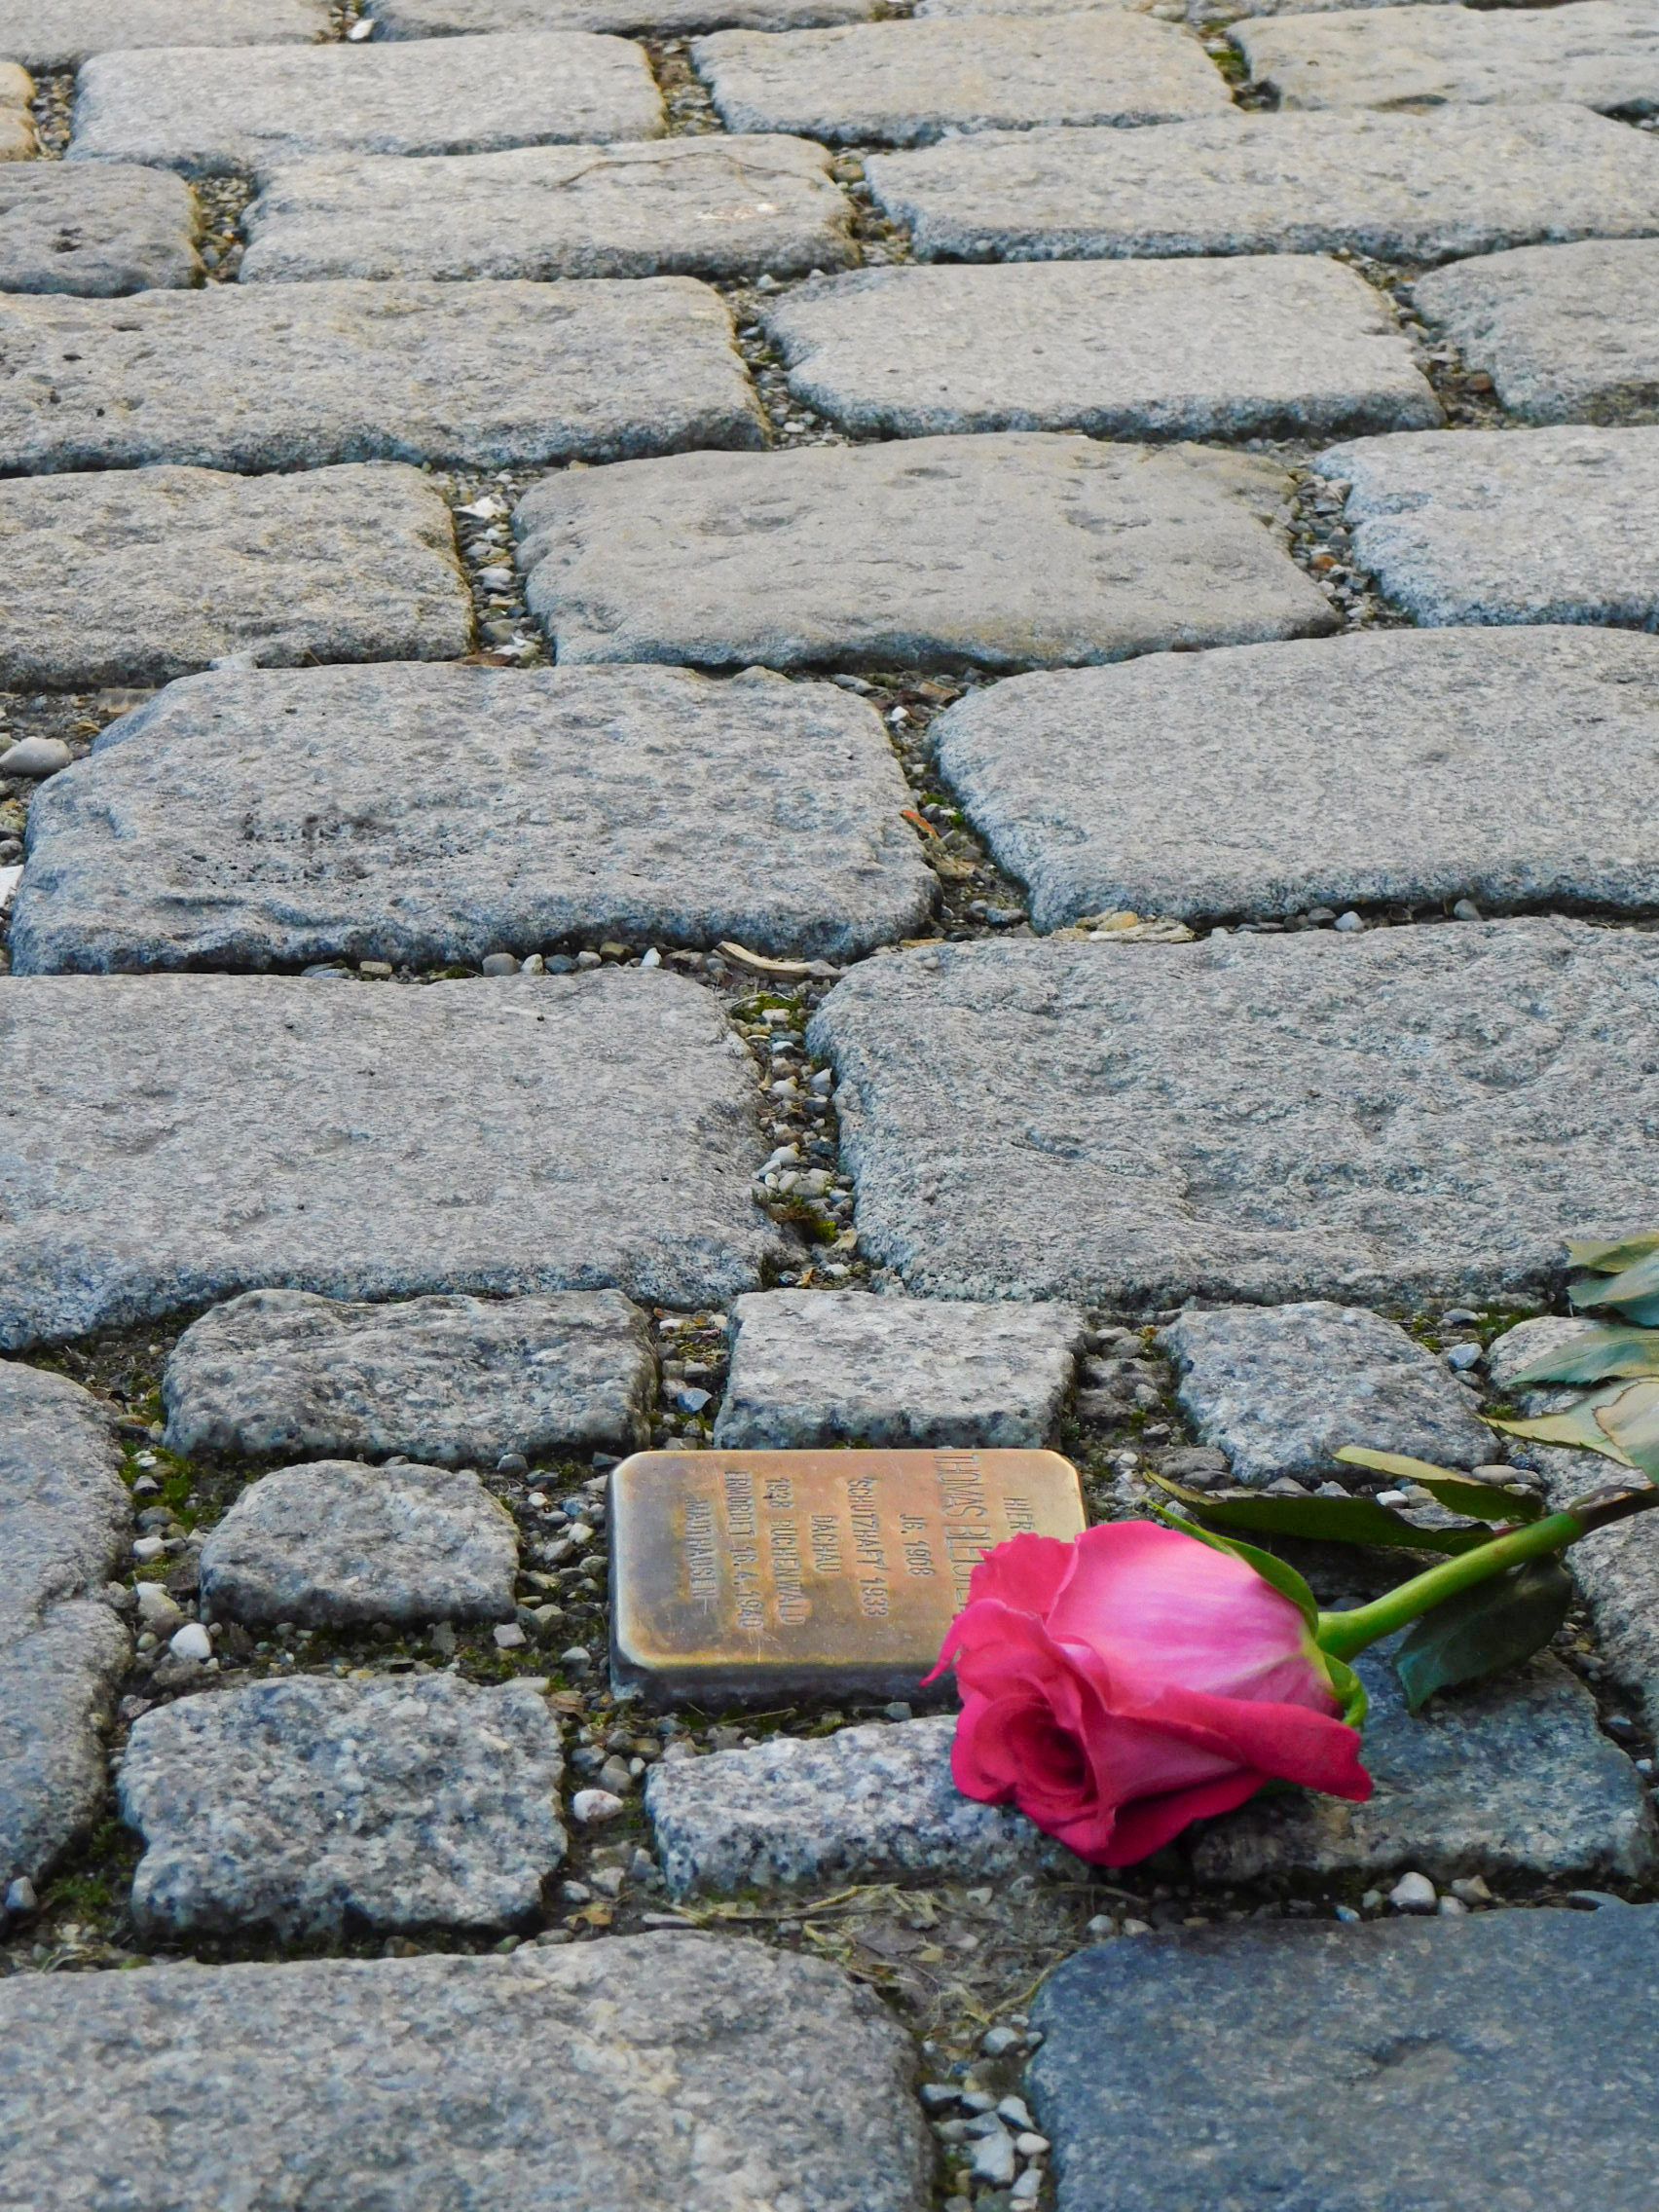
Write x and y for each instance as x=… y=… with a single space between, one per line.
x=1428 y=1112
x=484 y=809
x=704 y=206
x=315 y=1809
x=665 y=2073
x=136 y=578
x=570 y=1132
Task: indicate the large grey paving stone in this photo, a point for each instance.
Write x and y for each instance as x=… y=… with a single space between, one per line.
x=364 y=1141
x=1256 y=348
x=1569 y=333
x=451 y=1380
x=869 y=1804
x=1603 y=53
x=815 y=1367
x=659 y=2073
x=906 y=83
x=1281 y=1388
x=334 y=1543
x=1510 y=1776
x=220 y=111
x=1404 y=187
x=483 y=809
x=458 y=376
x=114 y=578
x=65 y=1520
x=1389 y=1117
x=60 y=34
x=964 y=551
x=1535 y=526
x=1389 y=765
x=652 y=18
x=1308 y=2064
x=97 y=232
x=320 y=1808
x=702 y=206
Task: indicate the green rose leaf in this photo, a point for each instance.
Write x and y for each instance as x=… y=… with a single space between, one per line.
x=1613 y=1349
x=1577 y=1426
x=1631 y=1421
x=1488 y=1501
x=1324 y=1520
x=1611 y=1259
x=1631 y=1287
x=1495 y=1624
x=1349 y=1688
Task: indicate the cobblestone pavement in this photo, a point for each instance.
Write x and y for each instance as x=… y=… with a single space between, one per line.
x=789 y=723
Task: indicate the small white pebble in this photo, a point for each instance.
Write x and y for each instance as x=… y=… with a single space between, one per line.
x=1413 y=1893
x=595 y=1807
x=509 y=1635
x=1031 y=2145
x=191 y=1641
x=1137 y=1927
x=1349 y=921
x=1452 y=1908
x=1014 y=2110
x=147 y=1548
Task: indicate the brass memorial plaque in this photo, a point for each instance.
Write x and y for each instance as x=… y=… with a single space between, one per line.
x=756 y=1577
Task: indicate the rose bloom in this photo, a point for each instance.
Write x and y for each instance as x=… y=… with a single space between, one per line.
x=1119 y=1687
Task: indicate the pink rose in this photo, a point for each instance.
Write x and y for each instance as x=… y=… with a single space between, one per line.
x=1119 y=1687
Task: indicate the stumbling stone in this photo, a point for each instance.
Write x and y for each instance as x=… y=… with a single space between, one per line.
x=65 y=1520
x=96 y=231
x=1196 y=2067
x=1269 y=347
x=1432 y=1110
x=871 y=1804
x=1281 y=1388
x=653 y=19
x=1408 y=765
x=367 y=1142
x=906 y=83
x=133 y=580
x=732 y=2074
x=812 y=1367
x=987 y=552
x=1278 y=184
x=461 y=375
x=683 y=811
x=1569 y=333
x=61 y=34
x=1555 y=526
x=450 y=1380
x=704 y=206
x=319 y=1808
x=1511 y=1777
x=333 y=1543
x=220 y=112
x=1603 y=53
x=763 y=1577
x=1618 y=1568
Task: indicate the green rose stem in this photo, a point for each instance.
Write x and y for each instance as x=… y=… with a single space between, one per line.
x=1343 y=1634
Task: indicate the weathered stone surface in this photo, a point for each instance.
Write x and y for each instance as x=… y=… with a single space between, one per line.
x=569 y=1133
x=1396 y=1115
x=906 y=83
x=1269 y=347
x=702 y=206
x=322 y=1808
x=483 y=809
x=1603 y=53
x=60 y=34
x=871 y=1804
x=110 y=578
x=1616 y=1569
x=988 y=552
x=452 y=1380
x=654 y=19
x=1405 y=186
x=723 y=2074
x=1569 y=333
x=17 y=140
x=218 y=112
x=1552 y=526
x=842 y=1367
x=96 y=231
x=334 y=1542
x=1209 y=2068
x=1510 y=1776
x=1281 y=1388
x=461 y=375
x=64 y=1522
x=1389 y=765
